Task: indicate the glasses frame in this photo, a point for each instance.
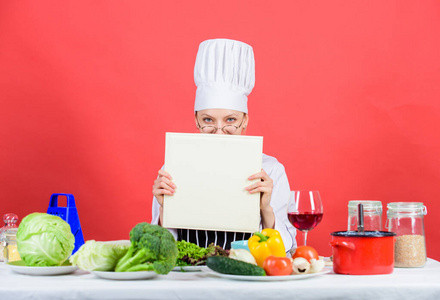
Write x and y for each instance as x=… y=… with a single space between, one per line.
x=217 y=128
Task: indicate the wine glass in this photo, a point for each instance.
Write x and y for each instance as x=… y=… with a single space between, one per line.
x=304 y=210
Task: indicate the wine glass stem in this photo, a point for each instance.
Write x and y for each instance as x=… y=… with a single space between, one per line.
x=305 y=238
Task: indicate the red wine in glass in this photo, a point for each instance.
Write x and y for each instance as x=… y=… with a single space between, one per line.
x=304 y=221
x=304 y=210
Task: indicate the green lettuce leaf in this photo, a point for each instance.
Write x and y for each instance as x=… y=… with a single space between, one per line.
x=192 y=255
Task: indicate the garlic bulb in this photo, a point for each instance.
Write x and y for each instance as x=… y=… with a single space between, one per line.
x=242 y=255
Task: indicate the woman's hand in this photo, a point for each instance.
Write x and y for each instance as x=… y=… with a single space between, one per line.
x=163 y=186
x=265 y=187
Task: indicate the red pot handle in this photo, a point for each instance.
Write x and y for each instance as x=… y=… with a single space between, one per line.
x=348 y=245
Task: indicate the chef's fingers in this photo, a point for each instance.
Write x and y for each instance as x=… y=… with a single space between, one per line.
x=162 y=183
x=260 y=186
x=261 y=189
x=253 y=186
x=160 y=192
x=167 y=186
x=163 y=186
x=166 y=180
x=265 y=180
x=165 y=174
x=260 y=175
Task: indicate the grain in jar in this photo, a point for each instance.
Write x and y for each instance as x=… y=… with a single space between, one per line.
x=406 y=220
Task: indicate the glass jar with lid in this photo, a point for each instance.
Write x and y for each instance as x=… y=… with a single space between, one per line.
x=372 y=215
x=406 y=219
x=8 y=237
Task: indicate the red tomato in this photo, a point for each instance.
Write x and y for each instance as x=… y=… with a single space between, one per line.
x=277 y=266
x=307 y=252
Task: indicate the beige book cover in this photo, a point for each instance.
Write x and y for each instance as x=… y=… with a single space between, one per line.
x=211 y=172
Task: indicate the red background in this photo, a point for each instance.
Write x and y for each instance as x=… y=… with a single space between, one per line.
x=346 y=97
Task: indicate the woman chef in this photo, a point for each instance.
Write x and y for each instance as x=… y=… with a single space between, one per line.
x=225 y=75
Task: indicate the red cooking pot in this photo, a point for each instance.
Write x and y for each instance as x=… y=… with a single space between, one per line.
x=363 y=253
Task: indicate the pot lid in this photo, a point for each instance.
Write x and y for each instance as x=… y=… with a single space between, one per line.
x=363 y=234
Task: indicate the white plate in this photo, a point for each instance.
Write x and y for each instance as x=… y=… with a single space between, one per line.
x=190 y=268
x=19 y=267
x=268 y=278
x=125 y=275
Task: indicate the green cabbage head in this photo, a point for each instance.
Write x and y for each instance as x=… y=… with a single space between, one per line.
x=99 y=256
x=44 y=240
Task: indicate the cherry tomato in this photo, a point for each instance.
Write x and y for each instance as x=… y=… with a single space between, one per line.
x=277 y=266
x=307 y=252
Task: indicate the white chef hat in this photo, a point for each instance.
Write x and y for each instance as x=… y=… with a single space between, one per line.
x=224 y=74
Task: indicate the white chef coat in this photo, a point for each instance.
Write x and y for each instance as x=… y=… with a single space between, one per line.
x=280 y=195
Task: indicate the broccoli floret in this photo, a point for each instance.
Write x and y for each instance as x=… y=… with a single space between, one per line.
x=152 y=248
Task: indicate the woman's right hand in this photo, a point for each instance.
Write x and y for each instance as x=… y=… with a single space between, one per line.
x=163 y=186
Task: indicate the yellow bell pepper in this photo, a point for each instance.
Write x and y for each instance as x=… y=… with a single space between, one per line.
x=266 y=243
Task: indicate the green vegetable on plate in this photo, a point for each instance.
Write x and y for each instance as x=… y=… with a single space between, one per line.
x=192 y=255
x=153 y=248
x=44 y=240
x=98 y=256
x=226 y=265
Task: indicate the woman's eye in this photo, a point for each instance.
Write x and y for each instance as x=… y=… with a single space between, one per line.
x=230 y=120
x=207 y=120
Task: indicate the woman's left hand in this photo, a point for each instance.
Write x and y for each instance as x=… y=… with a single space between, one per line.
x=265 y=187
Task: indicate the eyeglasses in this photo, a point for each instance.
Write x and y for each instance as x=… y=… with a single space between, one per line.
x=227 y=129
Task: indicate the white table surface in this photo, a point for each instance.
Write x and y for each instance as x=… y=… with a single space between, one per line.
x=417 y=283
